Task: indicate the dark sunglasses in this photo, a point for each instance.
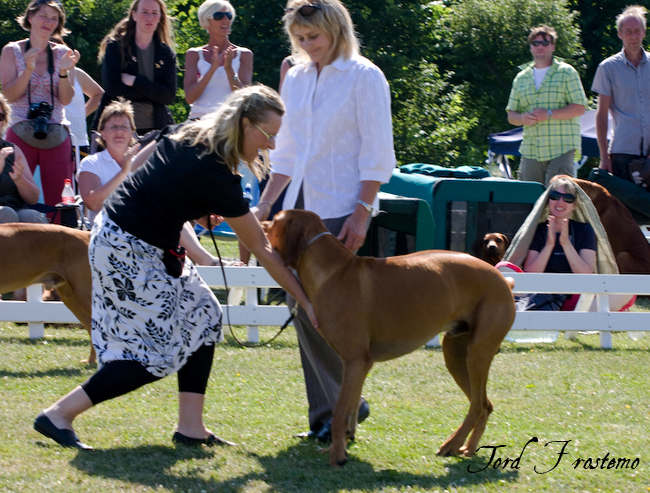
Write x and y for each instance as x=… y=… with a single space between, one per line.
x=306 y=10
x=543 y=43
x=2 y=117
x=217 y=16
x=569 y=198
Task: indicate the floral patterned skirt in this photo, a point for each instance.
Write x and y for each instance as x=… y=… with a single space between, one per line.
x=141 y=313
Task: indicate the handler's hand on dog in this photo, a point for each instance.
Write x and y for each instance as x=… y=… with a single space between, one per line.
x=353 y=232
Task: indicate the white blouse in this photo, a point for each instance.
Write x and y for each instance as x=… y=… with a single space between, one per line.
x=102 y=165
x=336 y=133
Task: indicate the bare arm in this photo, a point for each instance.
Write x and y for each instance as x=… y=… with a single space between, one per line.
x=14 y=85
x=91 y=89
x=276 y=184
x=353 y=232
x=192 y=83
x=21 y=175
x=246 y=67
x=602 y=123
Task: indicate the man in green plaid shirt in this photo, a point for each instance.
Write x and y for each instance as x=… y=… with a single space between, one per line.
x=547 y=98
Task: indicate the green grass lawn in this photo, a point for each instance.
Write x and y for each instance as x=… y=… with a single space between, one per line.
x=590 y=401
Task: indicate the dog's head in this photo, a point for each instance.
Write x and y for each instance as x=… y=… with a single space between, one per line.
x=491 y=247
x=290 y=231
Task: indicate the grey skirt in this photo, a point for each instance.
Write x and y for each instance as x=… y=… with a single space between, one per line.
x=141 y=313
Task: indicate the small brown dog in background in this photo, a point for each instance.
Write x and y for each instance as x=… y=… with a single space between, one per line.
x=377 y=309
x=491 y=247
x=53 y=255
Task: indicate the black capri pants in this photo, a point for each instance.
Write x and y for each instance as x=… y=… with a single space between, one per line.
x=121 y=377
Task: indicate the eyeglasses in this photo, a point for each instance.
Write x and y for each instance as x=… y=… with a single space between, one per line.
x=217 y=16
x=542 y=43
x=306 y=10
x=569 y=198
x=2 y=117
x=270 y=137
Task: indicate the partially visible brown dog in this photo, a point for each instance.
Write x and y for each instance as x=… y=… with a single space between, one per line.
x=491 y=247
x=376 y=309
x=631 y=249
x=53 y=255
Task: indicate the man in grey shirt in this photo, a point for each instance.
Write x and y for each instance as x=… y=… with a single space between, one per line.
x=623 y=89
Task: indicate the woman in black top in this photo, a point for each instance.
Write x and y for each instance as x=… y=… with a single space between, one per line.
x=139 y=64
x=152 y=313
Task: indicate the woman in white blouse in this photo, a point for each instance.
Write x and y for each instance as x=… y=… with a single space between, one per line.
x=333 y=151
x=214 y=70
x=99 y=174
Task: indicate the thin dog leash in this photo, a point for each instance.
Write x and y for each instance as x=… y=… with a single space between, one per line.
x=294 y=311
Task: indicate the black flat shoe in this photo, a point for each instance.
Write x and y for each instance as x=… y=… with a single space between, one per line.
x=67 y=438
x=195 y=442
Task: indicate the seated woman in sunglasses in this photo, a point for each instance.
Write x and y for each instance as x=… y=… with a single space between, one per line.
x=562 y=234
x=216 y=69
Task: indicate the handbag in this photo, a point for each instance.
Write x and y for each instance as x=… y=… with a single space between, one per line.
x=56 y=134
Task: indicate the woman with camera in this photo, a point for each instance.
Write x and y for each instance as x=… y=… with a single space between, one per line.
x=139 y=64
x=38 y=81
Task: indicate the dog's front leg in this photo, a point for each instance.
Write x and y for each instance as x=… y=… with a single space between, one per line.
x=344 y=419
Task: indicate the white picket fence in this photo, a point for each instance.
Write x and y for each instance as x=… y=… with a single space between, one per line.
x=37 y=312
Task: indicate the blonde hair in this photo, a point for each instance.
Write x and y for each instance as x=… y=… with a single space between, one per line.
x=222 y=132
x=636 y=11
x=332 y=19
x=34 y=6
x=209 y=7
x=6 y=109
x=120 y=107
x=125 y=30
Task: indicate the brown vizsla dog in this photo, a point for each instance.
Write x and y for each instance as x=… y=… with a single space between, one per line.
x=631 y=249
x=376 y=309
x=53 y=255
x=491 y=247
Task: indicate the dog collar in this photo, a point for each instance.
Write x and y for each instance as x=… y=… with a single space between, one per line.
x=324 y=233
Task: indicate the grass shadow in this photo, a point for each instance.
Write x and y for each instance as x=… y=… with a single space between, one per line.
x=55 y=341
x=52 y=372
x=297 y=468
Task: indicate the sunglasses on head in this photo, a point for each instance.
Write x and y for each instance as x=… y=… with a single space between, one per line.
x=542 y=43
x=217 y=16
x=569 y=198
x=306 y=10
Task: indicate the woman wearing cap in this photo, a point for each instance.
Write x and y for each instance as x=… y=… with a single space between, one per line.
x=152 y=313
x=334 y=150
x=216 y=69
x=139 y=64
x=37 y=79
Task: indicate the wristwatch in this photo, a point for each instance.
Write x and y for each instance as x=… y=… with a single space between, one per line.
x=549 y=114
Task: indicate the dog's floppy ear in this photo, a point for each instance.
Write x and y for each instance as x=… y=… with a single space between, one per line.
x=294 y=238
x=506 y=240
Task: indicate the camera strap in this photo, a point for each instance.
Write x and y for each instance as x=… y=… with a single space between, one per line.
x=50 y=69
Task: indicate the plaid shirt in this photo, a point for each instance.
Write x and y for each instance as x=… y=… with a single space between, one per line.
x=561 y=86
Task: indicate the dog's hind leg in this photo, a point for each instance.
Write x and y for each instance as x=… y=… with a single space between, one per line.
x=344 y=419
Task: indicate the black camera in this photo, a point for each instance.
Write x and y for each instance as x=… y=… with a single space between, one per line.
x=40 y=113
